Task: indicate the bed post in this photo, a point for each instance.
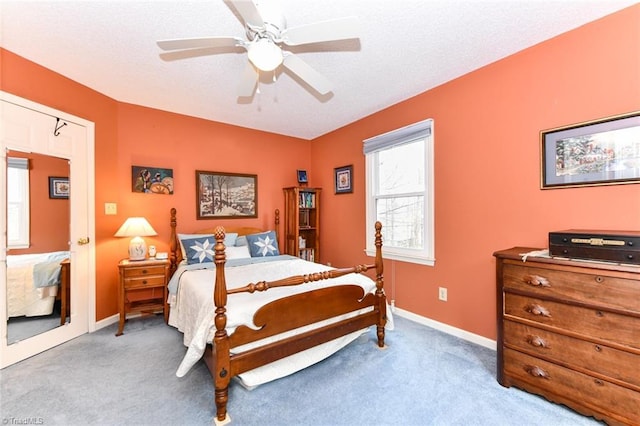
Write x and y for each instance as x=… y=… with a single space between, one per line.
x=222 y=371
x=173 y=246
x=277 y=223
x=382 y=303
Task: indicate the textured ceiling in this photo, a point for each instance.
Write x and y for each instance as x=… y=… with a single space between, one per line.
x=406 y=47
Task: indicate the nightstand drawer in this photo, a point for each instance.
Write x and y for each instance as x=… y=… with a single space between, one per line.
x=144 y=271
x=142 y=282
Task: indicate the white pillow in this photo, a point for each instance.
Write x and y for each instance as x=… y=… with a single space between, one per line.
x=237 y=252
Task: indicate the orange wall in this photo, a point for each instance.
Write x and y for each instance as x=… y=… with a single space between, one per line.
x=487 y=166
x=486 y=172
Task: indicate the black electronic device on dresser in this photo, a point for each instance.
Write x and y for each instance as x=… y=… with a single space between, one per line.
x=609 y=246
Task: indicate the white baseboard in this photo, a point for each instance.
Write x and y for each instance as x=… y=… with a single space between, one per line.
x=445 y=328
x=107 y=321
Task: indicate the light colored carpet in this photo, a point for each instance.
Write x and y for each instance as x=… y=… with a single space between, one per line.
x=423 y=377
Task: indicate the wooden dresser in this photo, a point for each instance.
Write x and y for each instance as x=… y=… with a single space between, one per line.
x=570 y=331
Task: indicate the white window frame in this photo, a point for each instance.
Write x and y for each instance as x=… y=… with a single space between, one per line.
x=19 y=237
x=421 y=130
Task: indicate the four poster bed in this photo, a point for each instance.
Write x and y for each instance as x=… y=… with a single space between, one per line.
x=271 y=314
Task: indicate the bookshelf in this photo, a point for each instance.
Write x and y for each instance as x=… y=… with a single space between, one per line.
x=302 y=222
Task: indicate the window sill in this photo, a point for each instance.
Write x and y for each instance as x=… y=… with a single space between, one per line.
x=420 y=260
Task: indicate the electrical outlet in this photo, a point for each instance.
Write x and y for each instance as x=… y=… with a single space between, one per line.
x=442 y=294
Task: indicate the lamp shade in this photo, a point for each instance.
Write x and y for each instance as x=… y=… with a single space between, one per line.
x=136 y=227
x=265 y=54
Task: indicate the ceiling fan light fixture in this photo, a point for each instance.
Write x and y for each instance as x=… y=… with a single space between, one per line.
x=265 y=54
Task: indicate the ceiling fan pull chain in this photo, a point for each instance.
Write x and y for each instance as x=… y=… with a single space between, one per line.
x=274 y=76
x=258 y=83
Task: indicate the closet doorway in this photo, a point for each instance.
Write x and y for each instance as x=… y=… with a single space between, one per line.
x=47 y=255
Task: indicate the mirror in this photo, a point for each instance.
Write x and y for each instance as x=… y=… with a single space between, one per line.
x=38 y=233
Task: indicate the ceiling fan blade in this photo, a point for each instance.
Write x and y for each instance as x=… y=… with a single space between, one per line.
x=200 y=42
x=248 y=11
x=248 y=81
x=312 y=77
x=195 y=53
x=335 y=29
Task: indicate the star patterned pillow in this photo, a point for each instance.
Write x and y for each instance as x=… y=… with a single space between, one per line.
x=200 y=250
x=263 y=244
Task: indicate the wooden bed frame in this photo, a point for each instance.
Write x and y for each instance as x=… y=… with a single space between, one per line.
x=283 y=314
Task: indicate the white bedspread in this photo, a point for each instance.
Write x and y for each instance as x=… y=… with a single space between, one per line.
x=192 y=312
x=27 y=296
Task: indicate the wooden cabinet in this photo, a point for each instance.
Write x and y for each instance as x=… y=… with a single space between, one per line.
x=570 y=331
x=145 y=277
x=302 y=222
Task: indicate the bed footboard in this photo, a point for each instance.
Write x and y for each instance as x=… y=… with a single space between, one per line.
x=290 y=313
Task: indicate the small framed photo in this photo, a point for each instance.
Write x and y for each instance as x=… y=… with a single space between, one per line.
x=58 y=187
x=599 y=152
x=302 y=176
x=343 y=179
x=226 y=195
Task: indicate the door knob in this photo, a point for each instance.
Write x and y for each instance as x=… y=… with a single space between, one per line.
x=84 y=240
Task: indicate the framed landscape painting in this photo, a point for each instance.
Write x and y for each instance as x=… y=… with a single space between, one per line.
x=226 y=195
x=600 y=152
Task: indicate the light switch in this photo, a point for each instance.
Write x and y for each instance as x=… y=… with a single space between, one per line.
x=110 y=208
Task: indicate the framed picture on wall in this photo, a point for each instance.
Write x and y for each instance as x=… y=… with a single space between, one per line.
x=302 y=176
x=58 y=187
x=343 y=179
x=599 y=152
x=226 y=195
x=151 y=180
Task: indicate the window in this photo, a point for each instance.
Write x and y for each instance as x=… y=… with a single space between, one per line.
x=399 y=175
x=18 y=203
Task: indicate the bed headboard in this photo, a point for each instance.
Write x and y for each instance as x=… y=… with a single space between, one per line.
x=175 y=254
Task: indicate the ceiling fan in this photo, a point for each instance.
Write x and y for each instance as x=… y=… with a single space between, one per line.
x=267 y=36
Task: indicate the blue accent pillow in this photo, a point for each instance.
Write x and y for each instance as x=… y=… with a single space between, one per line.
x=263 y=244
x=200 y=250
x=229 y=240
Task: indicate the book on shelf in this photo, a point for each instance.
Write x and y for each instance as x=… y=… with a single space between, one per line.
x=307 y=254
x=303 y=219
x=307 y=200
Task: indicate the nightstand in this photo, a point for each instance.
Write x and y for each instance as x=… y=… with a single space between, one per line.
x=151 y=276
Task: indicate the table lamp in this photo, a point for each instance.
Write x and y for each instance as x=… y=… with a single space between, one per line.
x=136 y=227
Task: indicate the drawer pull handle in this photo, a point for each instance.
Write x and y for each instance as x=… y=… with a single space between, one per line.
x=599 y=279
x=537 y=281
x=538 y=310
x=599 y=314
x=598 y=348
x=537 y=341
x=536 y=371
x=144 y=282
x=598 y=382
x=144 y=271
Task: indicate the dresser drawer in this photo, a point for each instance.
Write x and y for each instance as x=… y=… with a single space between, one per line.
x=142 y=282
x=571 y=387
x=588 y=322
x=143 y=271
x=604 y=288
x=619 y=365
